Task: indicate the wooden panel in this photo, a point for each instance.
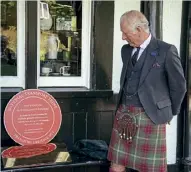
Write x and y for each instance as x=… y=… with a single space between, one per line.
x=104 y=26
x=76 y=104
x=5 y=138
x=65 y=105
x=104 y=168
x=93 y=130
x=106 y=124
x=79 y=169
x=65 y=133
x=80 y=126
x=93 y=169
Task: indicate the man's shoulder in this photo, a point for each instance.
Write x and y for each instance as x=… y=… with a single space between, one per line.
x=164 y=45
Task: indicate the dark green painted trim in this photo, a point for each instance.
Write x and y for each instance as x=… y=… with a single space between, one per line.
x=31 y=44
x=7 y=93
x=183 y=118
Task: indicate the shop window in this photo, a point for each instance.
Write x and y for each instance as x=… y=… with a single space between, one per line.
x=64 y=46
x=12 y=43
x=8 y=38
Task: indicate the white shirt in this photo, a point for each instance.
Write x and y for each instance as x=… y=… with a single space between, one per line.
x=142 y=47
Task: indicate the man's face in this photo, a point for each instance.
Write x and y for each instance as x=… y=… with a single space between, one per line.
x=133 y=38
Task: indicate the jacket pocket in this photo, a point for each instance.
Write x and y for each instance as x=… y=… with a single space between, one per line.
x=163 y=103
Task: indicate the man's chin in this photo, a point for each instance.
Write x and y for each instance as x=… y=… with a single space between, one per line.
x=132 y=45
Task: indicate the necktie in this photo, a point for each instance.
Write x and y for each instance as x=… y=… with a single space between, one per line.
x=135 y=56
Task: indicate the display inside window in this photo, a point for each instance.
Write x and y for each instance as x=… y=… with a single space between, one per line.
x=8 y=38
x=60 y=38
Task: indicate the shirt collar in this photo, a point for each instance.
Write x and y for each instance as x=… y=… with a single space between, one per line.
x=146 y=42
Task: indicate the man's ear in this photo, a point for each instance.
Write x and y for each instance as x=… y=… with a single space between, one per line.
x=139 y=29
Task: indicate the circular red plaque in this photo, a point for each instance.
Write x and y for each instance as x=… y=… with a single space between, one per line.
x=28 y=150
x=32 y=117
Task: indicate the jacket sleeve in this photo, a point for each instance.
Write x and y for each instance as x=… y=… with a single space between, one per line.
x=176 y=79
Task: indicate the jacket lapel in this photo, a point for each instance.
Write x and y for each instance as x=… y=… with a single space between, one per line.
x=151 y=53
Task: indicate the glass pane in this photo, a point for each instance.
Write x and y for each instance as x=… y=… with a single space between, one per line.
x=8 y=38
x=190 y=83
x=60 y=38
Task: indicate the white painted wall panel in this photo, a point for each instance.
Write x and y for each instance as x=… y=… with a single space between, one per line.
x=172 y=13
x=121 y=6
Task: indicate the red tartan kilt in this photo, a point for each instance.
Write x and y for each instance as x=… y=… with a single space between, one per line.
x=147 y=152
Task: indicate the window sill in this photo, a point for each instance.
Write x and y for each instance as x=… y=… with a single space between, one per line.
x=61 y=92
x=7 y=93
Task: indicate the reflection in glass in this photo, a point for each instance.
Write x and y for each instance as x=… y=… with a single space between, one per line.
x=8 y=38
x=60 y=38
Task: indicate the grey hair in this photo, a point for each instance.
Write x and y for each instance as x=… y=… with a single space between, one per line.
x=135 y=19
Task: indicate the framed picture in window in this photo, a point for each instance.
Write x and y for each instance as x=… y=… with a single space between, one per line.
x=44 y=11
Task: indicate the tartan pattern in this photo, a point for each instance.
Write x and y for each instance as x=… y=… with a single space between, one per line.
x=147 y=152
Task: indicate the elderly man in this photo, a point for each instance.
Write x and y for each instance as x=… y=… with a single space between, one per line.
x=152 y=88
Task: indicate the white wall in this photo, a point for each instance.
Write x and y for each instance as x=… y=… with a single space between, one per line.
x=172 y=11
x=121 y=6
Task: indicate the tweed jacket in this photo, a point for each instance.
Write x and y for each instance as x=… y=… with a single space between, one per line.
x=162 y=84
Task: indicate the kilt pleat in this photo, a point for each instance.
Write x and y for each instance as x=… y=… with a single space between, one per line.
x=147 y=152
